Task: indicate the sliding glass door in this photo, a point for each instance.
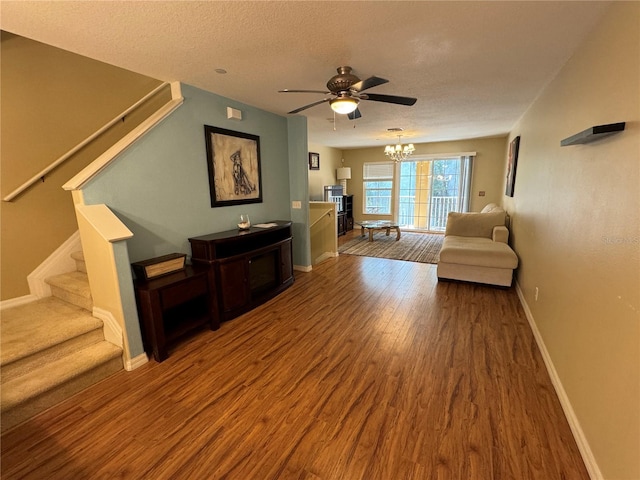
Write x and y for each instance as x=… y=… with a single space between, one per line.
x=429 y=189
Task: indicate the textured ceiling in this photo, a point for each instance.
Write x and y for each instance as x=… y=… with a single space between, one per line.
x=475 y=67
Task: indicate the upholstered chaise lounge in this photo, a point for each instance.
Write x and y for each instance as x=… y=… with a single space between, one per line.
x=475 y=248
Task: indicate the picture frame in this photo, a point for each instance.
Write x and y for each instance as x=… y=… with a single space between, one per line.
x=512 y=164
x=233 y=162
x=314 y=161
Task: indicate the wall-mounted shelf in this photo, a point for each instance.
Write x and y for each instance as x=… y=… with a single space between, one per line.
x=592 y=134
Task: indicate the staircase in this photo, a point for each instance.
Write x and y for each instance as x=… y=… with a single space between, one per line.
x=52 y=348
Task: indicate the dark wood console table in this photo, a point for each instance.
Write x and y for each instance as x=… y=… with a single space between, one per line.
x=173 y=304
x=249 y=266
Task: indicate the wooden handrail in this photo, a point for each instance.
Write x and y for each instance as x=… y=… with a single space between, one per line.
x=324 y=214
x=91 y=170
x=82 y=144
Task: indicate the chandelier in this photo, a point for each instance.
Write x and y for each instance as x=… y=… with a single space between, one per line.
x=399 y=152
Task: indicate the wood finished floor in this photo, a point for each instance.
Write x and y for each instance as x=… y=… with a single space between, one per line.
x=364 y=369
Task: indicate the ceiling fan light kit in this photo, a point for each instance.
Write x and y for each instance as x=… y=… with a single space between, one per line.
x=343 y=105
x=347 y=90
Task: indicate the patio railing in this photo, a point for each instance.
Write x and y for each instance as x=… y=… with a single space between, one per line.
x=437 y=215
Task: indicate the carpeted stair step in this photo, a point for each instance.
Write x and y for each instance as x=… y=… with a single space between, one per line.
x=72 y=287
x=81 y=266
x=30 y=394
x=42 y=331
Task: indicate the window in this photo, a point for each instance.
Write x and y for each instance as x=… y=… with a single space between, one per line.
x=378 y=183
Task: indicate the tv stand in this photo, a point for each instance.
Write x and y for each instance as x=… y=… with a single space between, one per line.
x=247 y=267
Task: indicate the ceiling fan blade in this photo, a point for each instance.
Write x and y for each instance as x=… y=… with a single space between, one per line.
x=368 y=83
x=389 y=99
x=287 y=90
x=309 y=106
x=355 y=114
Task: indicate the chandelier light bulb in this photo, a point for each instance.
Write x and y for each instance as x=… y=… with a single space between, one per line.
x=399 y=152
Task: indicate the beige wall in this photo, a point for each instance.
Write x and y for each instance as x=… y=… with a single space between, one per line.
x=330 y=160
x=488 y=170
x=576 y=229
x=51 y=101
x=323 y=231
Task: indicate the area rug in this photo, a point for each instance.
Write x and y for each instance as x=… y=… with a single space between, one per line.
x=412 y=247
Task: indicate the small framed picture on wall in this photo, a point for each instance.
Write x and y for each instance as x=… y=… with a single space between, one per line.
x=314 y=161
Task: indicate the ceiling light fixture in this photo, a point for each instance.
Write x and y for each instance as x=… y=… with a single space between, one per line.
x=344 y=105
x=398 y=152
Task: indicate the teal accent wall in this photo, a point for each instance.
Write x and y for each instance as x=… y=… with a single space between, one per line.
x=299 y=186
x=159 y=187
x=128 y=299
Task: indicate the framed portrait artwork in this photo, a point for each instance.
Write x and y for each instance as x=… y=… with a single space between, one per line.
x=314 y=161
x=512 y=163
x=233 y=160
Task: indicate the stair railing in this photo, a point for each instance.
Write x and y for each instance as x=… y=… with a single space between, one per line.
x=323 y=231
x=38 y=176
x=103 y=237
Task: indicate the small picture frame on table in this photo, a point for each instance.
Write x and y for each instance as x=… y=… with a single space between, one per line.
x=314 y=161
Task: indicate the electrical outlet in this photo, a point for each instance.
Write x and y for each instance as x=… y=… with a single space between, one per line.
x=296 y=204
x=481 y=193
x=536 y=295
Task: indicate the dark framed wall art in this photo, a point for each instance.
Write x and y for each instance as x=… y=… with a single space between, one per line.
x=314 y=161
x=233 y=160
x=512 y=163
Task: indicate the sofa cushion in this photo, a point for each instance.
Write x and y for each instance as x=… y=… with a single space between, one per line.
x=482 y=252
x=500 y=234
x=491 y=207
x=474 y=224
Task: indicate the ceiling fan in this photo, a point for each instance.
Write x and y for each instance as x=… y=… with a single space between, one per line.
x=347 y=90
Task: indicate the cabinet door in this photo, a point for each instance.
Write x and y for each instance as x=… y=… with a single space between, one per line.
x=342 y=224
x=286 y=260
x=233 y=284
x=349 y=223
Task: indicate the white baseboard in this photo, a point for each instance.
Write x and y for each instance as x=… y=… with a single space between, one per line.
x=574 y=424
x=110 y=327
x=58 y=262
x=136 y=362
x=325 y=256
x=113 y=334
x=302 y=268
x=15 y=302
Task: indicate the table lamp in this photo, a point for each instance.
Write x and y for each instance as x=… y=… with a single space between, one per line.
x=343 y=174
